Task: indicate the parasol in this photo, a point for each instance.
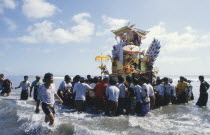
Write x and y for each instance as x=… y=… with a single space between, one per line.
x=131 y=49
x=102 y=58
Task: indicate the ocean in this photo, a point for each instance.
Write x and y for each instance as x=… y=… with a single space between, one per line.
x=17 y=117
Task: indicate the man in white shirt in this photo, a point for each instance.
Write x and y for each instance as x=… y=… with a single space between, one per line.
x=46 y=94
x=64 y=86
x=122 y=96
x=65 y=90
x=151 y=95
x=93 y=82
x=80 y=90
x=190 y=92
x=173 y=92
x=25 y=85
x=91 y=94
x=112 y=92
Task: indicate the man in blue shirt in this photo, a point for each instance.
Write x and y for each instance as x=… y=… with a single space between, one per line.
x=36 y=84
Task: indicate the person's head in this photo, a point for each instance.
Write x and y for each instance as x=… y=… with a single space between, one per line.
x=135 y=81
x=189 y=81
x=147 y=81
x=143 y=80
x=25 y=78
x=88 y=77
x=129 y=79
x=201 y=78
x=1 y=77
x=67 y=78
x=170 y=80
x=95 y=79
x=159 y=82
x=38 y=78
x=82 y=79
x=99 y=79
x=48 y=78
x=165 y=80
x=182 y=79
x=106 y=78
x=120 y=79
x=87 y=81
x=114 y=47
x=112 y=81
x=76 y=78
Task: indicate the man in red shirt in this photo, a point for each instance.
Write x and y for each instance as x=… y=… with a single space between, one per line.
x=100 y=93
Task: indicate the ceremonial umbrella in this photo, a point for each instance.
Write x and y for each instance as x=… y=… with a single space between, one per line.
x=102 y=58
x=131 y=49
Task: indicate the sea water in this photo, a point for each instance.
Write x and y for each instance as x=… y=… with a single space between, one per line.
x=17 y=117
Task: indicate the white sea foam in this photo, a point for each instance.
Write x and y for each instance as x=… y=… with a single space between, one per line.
x=81 y=130
x=25 y=103
x=59 y=78
x=171 y=124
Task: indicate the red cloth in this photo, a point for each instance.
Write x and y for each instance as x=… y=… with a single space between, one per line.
x=100 y=90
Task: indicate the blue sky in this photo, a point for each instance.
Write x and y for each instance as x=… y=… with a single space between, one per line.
x=64 y=36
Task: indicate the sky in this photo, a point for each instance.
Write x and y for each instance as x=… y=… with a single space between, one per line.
x=64 y=36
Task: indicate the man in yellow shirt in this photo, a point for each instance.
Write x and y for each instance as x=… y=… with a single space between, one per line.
x=181 y=90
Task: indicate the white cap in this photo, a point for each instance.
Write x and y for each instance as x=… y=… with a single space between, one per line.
x=105 y=76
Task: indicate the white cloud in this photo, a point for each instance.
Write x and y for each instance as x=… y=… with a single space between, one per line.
x=114 y=23
x=38 y=9
x=84 y=29
x=28 y=39
x=111 y=24
x=10 y=4
x=46 y=31
x=176 y=41
x=11 y=25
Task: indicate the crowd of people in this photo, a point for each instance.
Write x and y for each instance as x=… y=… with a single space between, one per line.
x=109 y=95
